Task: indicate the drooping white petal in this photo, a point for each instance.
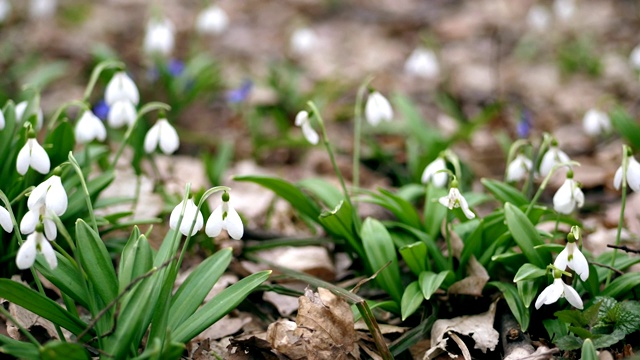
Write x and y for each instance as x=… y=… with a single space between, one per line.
x=90 y=128
x=214 y=223
x=578 y=195
x=617 y=179
x=2 y=120
x=234 y=225
x=310 y=134
x=38 y=195
x=377 y=109
x=20 y=109
x=168 y=137
x=191 y=214
x=212 y=20
x=422 y=63
x=564 y=201
x=49 y=254
x=121 y=112
x=562 y=260
x=29 y=221
x=39 y=160
x=56 y=198
x=50 y=230
x=5 y=220
x=27 y=252
x=550 y=294
x=302 y=117
x=552 y=157
x=23 y=159
x=518 y=168
x=596 y=122
x=465 y=208
x=578 y=262
x=633 y=174
x=121 y=87
x=430 y=173
x=152 y=138
x=572 y=296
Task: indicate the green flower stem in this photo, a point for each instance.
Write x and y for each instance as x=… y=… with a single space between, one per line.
x=26 y=333
x=143 y=111
x=357 y=132
x=545 y=182
x=87 y=197
x=107 y=64
x=327 y=144
x=623 y=204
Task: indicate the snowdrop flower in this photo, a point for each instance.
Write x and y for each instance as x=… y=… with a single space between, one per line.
x=552 y=157
x=422 y=63
x=225 y=217
x=2 y=120
x=212 y=20
x=33 y=155
x=121 y=112
x=22 y=106
x=51 y=194
x=191 y=214
x=5 y=220
x=302 y=120
x=633 y=175
x=564 y=9
x=39 y=215
x=430 y=173
x=121 y=87
x=377 y=109
x=303 y=40
x=518 y=168
x=90 y=128
x=596 y=122
x=5 y=10
x=456 y=200
x=160 y=37
x=557 y=290
x=41 y=9
x=35 y=242
x=634 y=57
x=162 y=134
x=568 y=196
x=572 y=257
x=538 y=18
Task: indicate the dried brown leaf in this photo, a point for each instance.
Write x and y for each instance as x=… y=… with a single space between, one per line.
x=475 y=281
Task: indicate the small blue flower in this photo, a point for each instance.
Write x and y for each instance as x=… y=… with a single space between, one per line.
x=524 y=125
x=235 y=96
x=175 y=67
x=101 y=109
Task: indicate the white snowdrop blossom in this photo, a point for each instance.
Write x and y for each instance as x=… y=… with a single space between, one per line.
x=572 y=257
x=35 y=243
x=20 y=109
x=302 y=120
x=42 y=9
x=552 y=157
x=422 y=63
x=160 y=37
x=519 y=168
x=121 y=87
x=377 y=109
x=430 y=173
x=213 y=20
x=634 y=57
x=303 y=41
x=39 y=215
x=568 y=196
x=596 y=122
x=90 y=128
x=5 y=10
x=225 y=217
x=191 y=214
x=2 y=120
x=456 y=200
x=33 y=155
x=162 y=135
x=633 y=175
x=564 y=9
x=538 y=18
x=5 y=220
x=120 y=113
x=557 y=290
x=51 y=194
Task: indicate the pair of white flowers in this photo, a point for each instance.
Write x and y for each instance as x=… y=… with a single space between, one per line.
x=224 y=217
x=46 y=202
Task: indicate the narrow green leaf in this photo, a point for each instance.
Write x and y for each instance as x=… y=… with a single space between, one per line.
x=339 y=223
x=61 y=142
x=401 y=208
x=198 y=284
x=136 y=259
x=77 y=202
x=524 y=234
x=621 y=287
x=411 y=300
x=569 y=342
x=529 y=272
x=19 y=349
x=40 y=305
x=218 y=307
x=505 y=193
x=56 y=350
x=96 y=262
x=527 y=290
x=519 y=311
x=415 y=256
x=626 y=125
x=380 y=251
x=323 y=190
x=434 y=212
x=441 y=263
x=66 y=277
x=430 y=282
x=291 y=193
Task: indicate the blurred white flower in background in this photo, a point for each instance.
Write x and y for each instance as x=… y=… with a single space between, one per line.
x=5 y=10
x=302 y=120
x=42 y=9
x=121 y=87
x=538 y=18
x=634 y=57
x=596 y=122
x=422 y=63
x=633 y=175
x=568 y=196
x=212 y=20
x=90 y=128
x=519 y=168
x=162 y=135
x=121 y=113
x=552 y=157
x=20 y=109
x=191 y=214
x=160 y=37
x=303 y=40
x=430 y=173
x=564 y=9
x=377 y=109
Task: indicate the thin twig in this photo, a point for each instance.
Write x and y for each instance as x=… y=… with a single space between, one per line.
x=607 y=267
x=624 y=248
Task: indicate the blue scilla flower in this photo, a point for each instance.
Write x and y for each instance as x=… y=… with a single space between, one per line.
x=524 y=125
x=101 y=109
x=174 y=67
x=240 y=94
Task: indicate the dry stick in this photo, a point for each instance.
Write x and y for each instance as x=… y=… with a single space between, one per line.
x=135 y=281
x=624 y=248
x=607 y=267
